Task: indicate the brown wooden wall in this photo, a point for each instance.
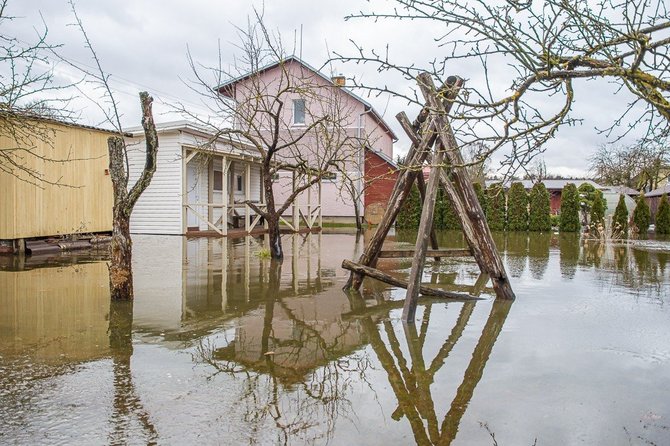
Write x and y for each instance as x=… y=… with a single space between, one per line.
x=81 y=203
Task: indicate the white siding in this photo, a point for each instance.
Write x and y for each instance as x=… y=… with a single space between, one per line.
x=159 y=209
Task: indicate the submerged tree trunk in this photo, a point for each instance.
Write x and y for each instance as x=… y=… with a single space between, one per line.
x=120 y=268
x=276 y=251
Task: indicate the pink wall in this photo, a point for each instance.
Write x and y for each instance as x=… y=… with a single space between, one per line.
x=321 y=98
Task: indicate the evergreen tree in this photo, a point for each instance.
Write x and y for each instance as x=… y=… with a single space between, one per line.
x=540 y=209
x=663 y=216
x=642 y=215
x=410 y=214
x=445 y=214
x=587 y=196
x=496 y=207
x=517 y=208
x=620 y=219
x=570 y=209
x=598 y=209
x=481 y=196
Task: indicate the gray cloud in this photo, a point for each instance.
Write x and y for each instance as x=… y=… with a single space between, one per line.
x=142 y=44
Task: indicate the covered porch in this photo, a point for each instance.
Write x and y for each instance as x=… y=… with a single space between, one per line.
x=217 y=190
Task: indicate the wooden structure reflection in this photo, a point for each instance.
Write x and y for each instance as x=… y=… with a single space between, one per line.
x=411 y=380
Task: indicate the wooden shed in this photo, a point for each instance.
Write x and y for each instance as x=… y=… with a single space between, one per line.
x=71 y=192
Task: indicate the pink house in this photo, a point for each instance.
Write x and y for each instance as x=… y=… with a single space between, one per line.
x=307 y=95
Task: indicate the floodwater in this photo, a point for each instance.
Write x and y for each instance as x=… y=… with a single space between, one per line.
x=223 y=347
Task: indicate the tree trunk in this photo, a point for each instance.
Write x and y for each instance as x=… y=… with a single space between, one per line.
x=120 y=269
x=276 y=251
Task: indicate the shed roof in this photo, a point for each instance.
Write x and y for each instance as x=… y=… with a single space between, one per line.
x=658 y=192
x=383 y=156
x=553 y=184
x=222 y=88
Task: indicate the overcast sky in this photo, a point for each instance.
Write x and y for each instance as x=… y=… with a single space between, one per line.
x=142 y=44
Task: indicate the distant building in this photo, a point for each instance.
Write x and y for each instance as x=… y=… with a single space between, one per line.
x=653 y=199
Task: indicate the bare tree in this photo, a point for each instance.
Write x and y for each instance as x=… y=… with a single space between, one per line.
x=293 y=119
x=28 y=91
x=641 y=166
x=527 y=52
x=125 y=195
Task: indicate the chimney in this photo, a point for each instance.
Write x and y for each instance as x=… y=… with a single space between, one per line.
x=339 y=80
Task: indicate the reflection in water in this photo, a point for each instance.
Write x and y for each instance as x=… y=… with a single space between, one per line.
x=538 y=254
x=568 y=245
x=516 y=253
x=226 y=344
x=411 y=381
x=127 y=404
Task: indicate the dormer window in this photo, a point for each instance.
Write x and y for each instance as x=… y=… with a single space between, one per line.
x=298 y=111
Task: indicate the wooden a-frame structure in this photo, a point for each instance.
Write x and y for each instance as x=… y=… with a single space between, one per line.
x=433 y=142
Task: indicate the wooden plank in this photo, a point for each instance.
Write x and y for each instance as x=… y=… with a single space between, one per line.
x=416 y=155
x=425 y=226
x=424 y=290
x=407 y=253
x=421 y=184
x=486 y=255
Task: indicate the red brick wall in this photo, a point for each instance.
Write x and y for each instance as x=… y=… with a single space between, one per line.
x=380 y=177
x=555 y=201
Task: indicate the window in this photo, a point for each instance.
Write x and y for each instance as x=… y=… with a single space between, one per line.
x=240 y=188
x=298 y=111
x=329 y=176
x=275 y=176
x=218 y=180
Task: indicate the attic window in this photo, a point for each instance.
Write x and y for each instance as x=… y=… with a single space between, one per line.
x=298 y=111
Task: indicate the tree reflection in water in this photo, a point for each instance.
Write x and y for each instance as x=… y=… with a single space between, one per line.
x=296 y=375
x=126 y=402
x=411 y=383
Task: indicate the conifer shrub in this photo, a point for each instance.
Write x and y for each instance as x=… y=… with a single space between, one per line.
x=517 y=208
x=539 y=209
x=481 y=196
x=663 y=216
x=598 y=209
x=642 y=215
x=446 y=218
x=620 y=219
x=570 y=209
x=496 y=209
x=410 y=213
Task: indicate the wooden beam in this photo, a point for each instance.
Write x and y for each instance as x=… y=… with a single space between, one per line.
x=486 y=255
x=407 y=253
x=421 y=184
x=425 y=226
x=416 y=156
x=424 y=290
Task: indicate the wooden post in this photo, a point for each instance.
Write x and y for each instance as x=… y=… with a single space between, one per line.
x=471 y=214
x=320 y=206
x=421 y=184
x=247 y=197
x=210 y=189
x=296 y=209
x=225 y=167
x=416 y=156
x=425 y=226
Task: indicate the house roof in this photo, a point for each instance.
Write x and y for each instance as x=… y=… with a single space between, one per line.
x=224 y=88
x=554 y=184
x=658 y=192
x=61 y=122
x=621 y=190
x=383 y=156
x=201 y=130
